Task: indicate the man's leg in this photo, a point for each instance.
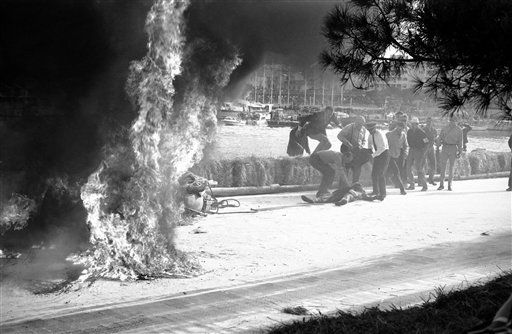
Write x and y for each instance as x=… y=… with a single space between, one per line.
x=383 y=166
x=395 y=172
x=402 y=168
x=324 y=143
x=356 y=172
x=360 y=158
x=442 y=165
x=326 y=171
x=431 y=159
x=375 y=176
x=452 y=156
x=510 y=177
x=409 y=163
x=343 y=179
x=419 y=162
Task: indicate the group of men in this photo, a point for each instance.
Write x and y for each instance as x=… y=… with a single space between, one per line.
x=404 y=148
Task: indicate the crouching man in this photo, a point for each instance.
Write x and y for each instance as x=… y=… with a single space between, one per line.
x=327 y=163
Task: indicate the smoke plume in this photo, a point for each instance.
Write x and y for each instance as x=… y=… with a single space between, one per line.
x=288 y=30
x=133 y=199
x=89 y=134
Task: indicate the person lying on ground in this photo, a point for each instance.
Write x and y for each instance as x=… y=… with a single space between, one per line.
x=344 y=195
x=355 y=193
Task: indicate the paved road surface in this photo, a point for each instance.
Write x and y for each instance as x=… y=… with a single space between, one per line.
x=400 y=278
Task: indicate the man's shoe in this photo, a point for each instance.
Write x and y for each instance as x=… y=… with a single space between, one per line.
x=380 y=197
x=441 y=187
x=432 y=183
x=322 y=198
x=424 y=189
x=509 y=189
x=342 y=202
x=410 y=188
x=403 y=192
x=449 y=188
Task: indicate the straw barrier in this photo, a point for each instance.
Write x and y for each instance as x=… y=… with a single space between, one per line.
x=274 y=172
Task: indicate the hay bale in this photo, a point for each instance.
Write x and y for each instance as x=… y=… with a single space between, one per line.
x=462 y=167
x=220 y=171
x=258 y=172
x=483 y=161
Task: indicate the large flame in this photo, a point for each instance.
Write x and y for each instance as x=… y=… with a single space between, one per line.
x=131 y=199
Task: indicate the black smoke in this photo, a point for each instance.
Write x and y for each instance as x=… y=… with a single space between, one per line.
x=289 y=30
x=63 y=67
x=63 y=70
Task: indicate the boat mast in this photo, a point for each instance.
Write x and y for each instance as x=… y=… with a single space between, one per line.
x=289 y=77
x=305 y=88
x=264 y=84
x=272 y=82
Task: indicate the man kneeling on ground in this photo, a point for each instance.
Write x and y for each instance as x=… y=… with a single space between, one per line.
x=327 y=163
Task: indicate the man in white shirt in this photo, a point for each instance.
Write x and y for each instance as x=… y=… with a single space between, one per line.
x=380 y=155
x=354 y=139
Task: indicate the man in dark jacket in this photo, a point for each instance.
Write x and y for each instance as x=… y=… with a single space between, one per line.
x=315 y=127
x=297 y=143
x=430 y=153
x=418 y=141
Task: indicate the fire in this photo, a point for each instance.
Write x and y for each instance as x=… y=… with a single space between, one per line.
x=132 y=199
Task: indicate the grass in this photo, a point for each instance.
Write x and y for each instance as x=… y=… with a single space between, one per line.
x=445 y=312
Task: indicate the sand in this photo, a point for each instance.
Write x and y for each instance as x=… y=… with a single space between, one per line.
x=236 y=249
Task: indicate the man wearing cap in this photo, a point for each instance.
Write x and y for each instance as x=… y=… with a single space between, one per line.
x=451 y=141
x=354 y=139
x=418 y=141
x=380 y=156
x=430 y=154
x=397 y=142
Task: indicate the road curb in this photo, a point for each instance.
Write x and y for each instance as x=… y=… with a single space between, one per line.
x=277 y=188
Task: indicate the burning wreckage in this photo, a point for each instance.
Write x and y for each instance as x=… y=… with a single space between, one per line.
x=132 y=200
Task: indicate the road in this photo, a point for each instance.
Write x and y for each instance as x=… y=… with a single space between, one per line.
x=387 y=275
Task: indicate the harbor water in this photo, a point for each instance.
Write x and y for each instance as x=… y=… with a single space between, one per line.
x=262 y=141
